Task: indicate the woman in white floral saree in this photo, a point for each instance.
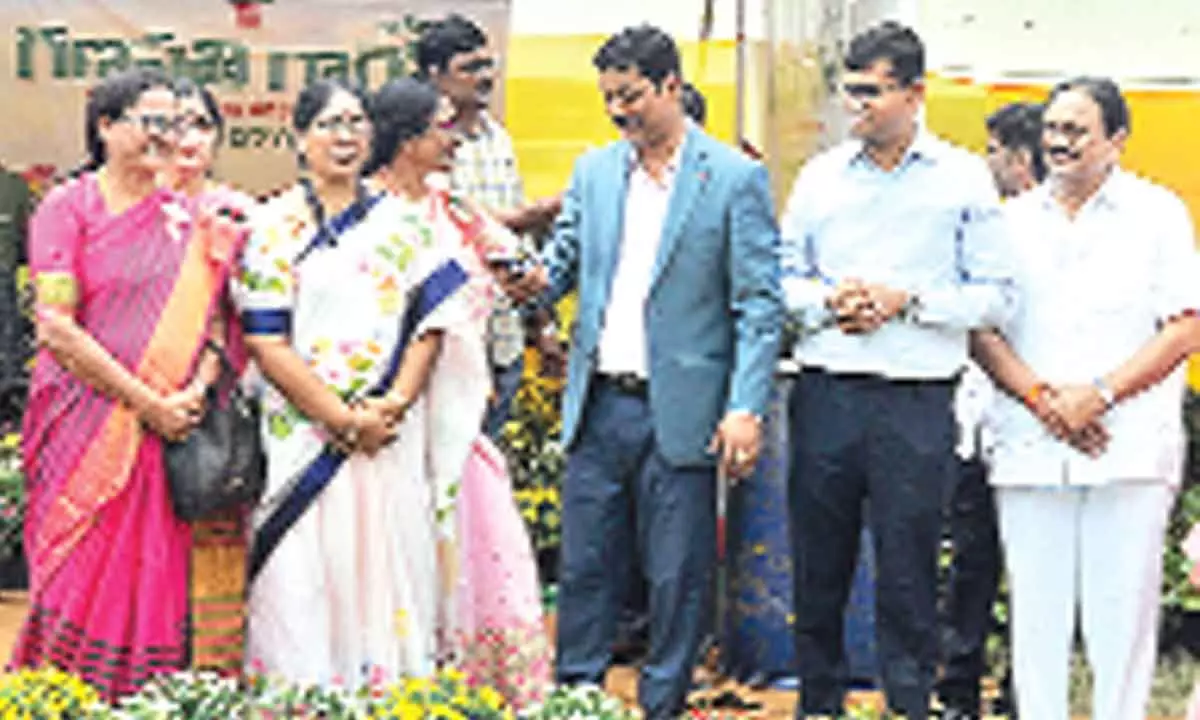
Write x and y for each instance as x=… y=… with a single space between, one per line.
x=344 y=308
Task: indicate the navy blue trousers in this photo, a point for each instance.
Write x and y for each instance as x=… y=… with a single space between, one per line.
x=856 y=438
x=620 y=492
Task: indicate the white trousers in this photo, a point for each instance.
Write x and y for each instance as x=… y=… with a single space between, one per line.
x=1092 y=553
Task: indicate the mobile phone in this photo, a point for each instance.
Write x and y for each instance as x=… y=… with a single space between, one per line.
x=512 y=265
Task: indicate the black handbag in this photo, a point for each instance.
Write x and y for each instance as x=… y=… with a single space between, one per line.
x=221 y=464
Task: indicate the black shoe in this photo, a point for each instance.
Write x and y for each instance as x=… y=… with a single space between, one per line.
x=953 y=713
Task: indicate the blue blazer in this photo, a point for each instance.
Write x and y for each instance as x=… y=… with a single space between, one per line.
x=714 y=316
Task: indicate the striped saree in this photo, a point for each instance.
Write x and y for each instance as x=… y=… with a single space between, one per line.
x=108 y=558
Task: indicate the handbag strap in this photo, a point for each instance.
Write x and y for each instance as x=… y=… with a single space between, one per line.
x=227 y=379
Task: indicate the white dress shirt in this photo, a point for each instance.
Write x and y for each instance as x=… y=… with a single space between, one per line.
x=623 y=336
x=1093 y=291
x=931 y=226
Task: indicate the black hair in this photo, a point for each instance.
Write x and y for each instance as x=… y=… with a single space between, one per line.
x=440 y=40
x=645 y=48
x=314 y=98
x=1018 y=126
x=110 y=99
x=400 y=111
x=186 y=88
x=1114 y=111
x=889 y=40
x=694 y=104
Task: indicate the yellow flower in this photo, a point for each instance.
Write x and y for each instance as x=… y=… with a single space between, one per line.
x=489 y=697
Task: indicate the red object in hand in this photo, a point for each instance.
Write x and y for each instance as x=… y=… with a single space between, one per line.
x=247 y=14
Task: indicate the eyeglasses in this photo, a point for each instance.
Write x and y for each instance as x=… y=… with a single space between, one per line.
x=1071 y=131
x=478 y=65
x=868 y=91
x=353 y=124
x=203 y=123
x=154 y=123
x=625 y=96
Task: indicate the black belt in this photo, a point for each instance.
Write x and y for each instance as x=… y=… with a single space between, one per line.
x=626 y=383
x=867 y=377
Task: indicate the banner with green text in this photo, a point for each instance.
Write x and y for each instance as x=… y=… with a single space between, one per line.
x=255 y=54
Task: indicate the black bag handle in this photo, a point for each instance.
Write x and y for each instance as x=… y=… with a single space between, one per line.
x=227 y=379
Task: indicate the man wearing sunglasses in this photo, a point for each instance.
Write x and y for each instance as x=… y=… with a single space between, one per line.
x=893 y=250
x=668 y=236
x=453 y=53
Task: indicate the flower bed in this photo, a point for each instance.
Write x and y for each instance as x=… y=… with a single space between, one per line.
x=50 y=694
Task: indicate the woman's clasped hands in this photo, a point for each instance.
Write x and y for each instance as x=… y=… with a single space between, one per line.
x=375 y=423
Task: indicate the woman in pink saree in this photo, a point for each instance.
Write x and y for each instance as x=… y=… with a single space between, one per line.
x=128 y=288
x=492 y=624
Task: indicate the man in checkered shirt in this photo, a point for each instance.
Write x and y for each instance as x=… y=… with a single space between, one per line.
x=454 y=54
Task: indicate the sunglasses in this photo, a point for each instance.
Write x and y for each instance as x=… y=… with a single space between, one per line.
x=353 y=124
x=868 y=91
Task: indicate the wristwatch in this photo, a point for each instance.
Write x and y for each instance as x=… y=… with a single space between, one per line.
x=1106 y=392
x=910 y=311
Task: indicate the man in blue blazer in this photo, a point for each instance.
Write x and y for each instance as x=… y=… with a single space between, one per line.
x=669 y=236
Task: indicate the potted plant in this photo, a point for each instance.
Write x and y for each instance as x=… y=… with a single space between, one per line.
x=1180 y=598
x=13 y=572
x=536 y=463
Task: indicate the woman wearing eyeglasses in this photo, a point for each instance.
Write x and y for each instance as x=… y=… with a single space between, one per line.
x=344 y=308
x=125 y=286
x=494 y=628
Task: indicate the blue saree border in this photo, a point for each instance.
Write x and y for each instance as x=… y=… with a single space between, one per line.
x=317 y=475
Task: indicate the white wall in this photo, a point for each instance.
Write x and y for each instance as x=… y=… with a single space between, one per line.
x=678 y=17
x=1137 y=42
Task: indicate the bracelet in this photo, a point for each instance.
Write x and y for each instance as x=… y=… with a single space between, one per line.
x=400 y=400
x=349 y=435
x=1034 y=395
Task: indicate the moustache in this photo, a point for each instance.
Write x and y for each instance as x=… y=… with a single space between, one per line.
x=1059 y=152
x=627 y=122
